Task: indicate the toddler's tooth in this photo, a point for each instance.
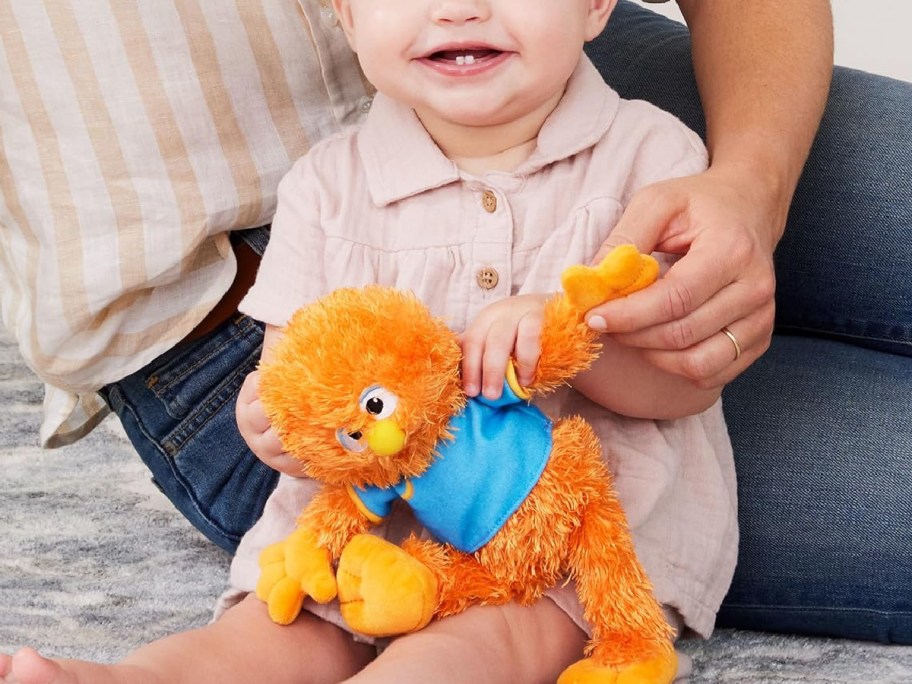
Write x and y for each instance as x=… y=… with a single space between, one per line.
x=460 y=60
x=470 y=59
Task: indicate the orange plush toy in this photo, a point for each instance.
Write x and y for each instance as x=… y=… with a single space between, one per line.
x=364 y=389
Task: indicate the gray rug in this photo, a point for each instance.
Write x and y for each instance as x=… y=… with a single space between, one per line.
x=94 y=562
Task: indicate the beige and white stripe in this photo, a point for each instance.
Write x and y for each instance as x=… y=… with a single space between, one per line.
x=135 y=136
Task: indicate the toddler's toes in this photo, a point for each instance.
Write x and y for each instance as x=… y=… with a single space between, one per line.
x=27 y=666
x=6 y=662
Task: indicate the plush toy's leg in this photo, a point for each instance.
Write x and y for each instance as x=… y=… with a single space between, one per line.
x=631 y=641
x=461 y=578
x=292 y=570
x=623 y=271
x=382 y=589
x=386 y=590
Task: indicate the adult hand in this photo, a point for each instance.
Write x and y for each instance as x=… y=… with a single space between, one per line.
x=726 y=233
x=258 y=433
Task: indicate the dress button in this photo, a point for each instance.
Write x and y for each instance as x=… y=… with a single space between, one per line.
x=489 y=201
x=487 y=278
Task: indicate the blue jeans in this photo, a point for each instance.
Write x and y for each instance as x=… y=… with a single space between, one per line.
x=178 y=412
x=822 y=424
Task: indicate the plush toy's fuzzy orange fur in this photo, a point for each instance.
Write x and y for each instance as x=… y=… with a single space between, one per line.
x=571 y=522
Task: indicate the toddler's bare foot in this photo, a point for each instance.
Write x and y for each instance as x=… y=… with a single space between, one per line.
x=27 y=666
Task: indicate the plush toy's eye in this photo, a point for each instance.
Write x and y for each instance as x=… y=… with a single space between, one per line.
x=351 y=441
x=378 y=402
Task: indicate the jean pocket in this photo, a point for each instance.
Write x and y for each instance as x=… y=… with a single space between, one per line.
x=195 y=381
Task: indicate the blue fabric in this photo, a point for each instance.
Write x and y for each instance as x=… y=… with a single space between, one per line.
x=822 y=433
x=821 y=424
x=480 y=477
x=179 y=413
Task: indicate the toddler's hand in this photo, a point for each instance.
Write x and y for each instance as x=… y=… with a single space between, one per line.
x=258 y=433
x=505 y=329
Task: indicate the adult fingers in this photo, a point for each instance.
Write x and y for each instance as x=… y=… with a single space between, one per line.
x=733 y=302
x=722 y=356
x=647 y=216
x=688 y=284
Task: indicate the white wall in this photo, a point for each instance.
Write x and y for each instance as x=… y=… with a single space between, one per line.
x=872 y=35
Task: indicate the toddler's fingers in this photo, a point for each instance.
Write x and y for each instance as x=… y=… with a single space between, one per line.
x=250 y=389
x=268 y=448
x=498 y=349
x=527 y=348
x=472 y=342
x=251 y=418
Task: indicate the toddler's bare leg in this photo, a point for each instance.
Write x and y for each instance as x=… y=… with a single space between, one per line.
x=484 y=645
x=243 y=646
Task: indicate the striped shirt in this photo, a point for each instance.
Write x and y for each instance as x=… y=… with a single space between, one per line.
x=135 y=137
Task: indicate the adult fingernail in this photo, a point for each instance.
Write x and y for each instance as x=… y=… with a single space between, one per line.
x=597 y=323
x=471 y=390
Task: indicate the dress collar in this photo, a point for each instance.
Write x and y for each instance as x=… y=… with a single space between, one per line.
x=401 y=159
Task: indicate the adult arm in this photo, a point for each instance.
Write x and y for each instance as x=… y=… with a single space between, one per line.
x=763 y=71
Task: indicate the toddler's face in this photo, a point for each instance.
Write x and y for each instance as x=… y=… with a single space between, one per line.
x=471 y=62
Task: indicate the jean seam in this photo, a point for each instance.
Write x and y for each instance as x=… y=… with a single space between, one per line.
x=779 y=608
x=243 y=326
x=194 y=422
x=125 y=405
x=841 y=334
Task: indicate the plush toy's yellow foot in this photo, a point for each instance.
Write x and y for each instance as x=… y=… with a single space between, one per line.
x=659 y=670
x=623 y=271
x=383 y=590
x=292 y=570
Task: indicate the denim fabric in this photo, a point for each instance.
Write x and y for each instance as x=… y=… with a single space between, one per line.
x=255 y=238
x=822 y=424
x=842 y=267
x=822 y=433
x=179 y=413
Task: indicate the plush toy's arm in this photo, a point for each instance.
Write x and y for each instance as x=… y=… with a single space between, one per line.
x=568 y=345
x=623 y=271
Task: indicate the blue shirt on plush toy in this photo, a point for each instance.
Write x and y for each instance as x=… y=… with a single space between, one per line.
x=477 y=479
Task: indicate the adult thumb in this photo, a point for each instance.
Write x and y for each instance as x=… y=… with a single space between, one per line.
x=643 y=222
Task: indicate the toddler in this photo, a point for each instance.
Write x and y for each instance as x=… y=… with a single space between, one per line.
x=494 y=156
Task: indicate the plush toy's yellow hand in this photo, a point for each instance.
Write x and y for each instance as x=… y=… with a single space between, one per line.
x=383 y=590
x=292 y=570
x=623 y=271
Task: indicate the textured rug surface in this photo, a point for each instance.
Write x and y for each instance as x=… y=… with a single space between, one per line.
x=94 y=562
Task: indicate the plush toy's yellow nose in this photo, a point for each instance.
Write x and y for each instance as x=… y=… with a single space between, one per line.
x=386 y=438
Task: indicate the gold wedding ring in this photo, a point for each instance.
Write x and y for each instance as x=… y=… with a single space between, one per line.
x=734 y=340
